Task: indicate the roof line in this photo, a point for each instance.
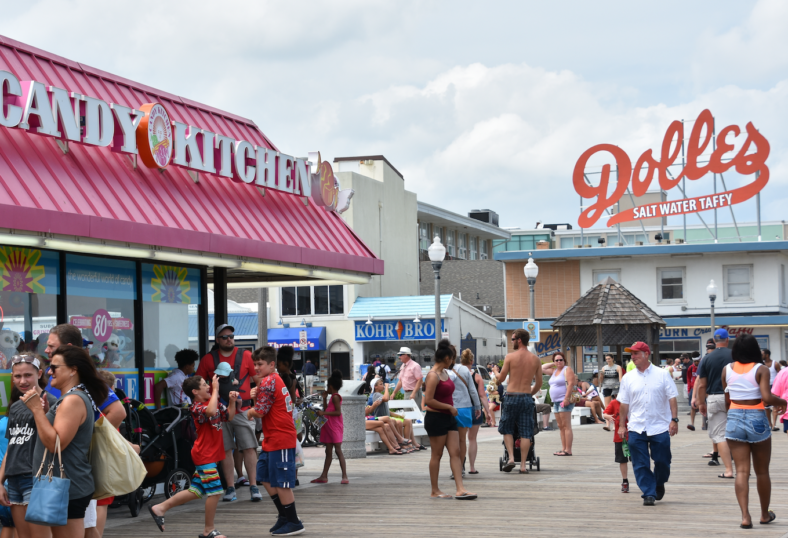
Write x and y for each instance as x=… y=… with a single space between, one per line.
x=644 y=250
x=439 y=212
x=369 y=158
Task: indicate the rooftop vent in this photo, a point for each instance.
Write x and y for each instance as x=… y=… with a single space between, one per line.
x=488 y=216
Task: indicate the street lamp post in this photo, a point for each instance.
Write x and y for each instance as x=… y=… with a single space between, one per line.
x=711 y=289
x=531 y=270
x=437 y=252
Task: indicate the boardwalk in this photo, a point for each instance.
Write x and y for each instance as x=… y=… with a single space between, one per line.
x=577 y=496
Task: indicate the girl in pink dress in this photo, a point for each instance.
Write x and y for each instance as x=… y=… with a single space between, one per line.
x=332 y=431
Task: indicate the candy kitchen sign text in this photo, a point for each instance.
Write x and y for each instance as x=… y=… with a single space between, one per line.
x=749 y=160
x=159 y=142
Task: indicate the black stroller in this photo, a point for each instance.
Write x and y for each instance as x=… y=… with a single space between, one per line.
x=531 y=458
x=165 y=438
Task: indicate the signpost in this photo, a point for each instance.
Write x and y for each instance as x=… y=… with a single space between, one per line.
x=533 y=329
x=302 y=341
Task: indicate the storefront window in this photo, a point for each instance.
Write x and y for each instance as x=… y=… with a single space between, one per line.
x=29 y=286
x=100 y=302
x=298 y=301
x=168 y=292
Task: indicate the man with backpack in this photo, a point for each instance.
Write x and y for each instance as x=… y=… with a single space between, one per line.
x=235 y=374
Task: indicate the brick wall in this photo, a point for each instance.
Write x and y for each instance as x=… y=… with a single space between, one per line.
x=557 y=288
x=482 y=278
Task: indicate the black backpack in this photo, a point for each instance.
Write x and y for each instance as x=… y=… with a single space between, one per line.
x=229 y=383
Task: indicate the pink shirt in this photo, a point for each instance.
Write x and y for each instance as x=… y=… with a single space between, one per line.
x=780 y=387
x=410 y=374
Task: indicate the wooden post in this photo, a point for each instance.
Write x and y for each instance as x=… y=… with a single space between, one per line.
x=655 y=331
x=600 y=360
x=620 y=355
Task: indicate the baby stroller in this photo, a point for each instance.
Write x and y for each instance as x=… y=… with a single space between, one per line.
x=165 y=437
x=531 y=458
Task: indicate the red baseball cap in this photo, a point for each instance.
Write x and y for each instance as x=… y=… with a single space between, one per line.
x=638 y=346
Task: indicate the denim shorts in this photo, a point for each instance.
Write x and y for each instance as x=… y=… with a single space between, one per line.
x=277 y=468
x=19 y=488
x=747 y=426
x=565 y=409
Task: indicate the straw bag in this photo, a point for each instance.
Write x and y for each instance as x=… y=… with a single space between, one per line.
x=117 y=469
x=49 y=499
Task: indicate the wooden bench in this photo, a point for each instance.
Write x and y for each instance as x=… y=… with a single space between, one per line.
x=408 y=409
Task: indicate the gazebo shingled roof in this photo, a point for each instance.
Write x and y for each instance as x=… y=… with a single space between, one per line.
x=609 y=314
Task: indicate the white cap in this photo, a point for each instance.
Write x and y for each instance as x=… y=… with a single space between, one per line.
x=404 y=351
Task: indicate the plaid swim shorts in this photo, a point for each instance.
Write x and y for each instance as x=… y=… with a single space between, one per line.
x=205 y=481
x=517 y=416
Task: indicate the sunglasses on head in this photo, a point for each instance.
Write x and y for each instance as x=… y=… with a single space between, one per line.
x=26 y=359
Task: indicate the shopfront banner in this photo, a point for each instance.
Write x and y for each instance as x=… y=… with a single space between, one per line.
x=28 y=270
x=101 y=278
x=315 y=338
x=396 y=330
x=170 y=284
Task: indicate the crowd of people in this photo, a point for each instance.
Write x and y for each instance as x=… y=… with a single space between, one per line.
x=241 y=400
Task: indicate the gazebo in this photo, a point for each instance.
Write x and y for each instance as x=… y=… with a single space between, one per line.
x=609 y=315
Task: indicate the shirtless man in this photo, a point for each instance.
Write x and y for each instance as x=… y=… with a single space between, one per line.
x=517 y=415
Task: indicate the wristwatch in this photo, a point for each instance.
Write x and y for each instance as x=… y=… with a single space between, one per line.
x=676 y=420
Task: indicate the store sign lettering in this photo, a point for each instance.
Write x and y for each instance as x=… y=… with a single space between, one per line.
x=733 y=332
x=396 y=330
x=551 y=344
x=148 y=132
x=750 y=159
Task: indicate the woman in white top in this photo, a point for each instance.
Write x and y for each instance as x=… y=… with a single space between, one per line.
x=561 y=379
x=466 y=401
x=747 y=391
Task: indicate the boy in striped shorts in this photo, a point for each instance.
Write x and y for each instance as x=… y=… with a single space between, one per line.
x=207 y=452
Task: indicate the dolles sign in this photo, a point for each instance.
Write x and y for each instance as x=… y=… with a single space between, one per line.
x=160 y=142
x=750 y=159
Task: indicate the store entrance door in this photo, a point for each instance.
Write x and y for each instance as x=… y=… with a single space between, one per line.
x=341 y=361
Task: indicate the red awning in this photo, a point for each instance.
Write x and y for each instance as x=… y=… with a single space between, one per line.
x=94 y=192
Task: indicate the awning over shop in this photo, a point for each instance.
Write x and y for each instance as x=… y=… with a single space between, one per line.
x=398 y=307
x=315 y=337
x=48 y=186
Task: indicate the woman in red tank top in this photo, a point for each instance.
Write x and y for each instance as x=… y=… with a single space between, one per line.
x=440 y=423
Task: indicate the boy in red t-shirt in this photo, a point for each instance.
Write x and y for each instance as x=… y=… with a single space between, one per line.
x=276 y=467
x=207 y=452
x=612 y=413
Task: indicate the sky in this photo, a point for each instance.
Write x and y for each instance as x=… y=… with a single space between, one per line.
x=480 y=105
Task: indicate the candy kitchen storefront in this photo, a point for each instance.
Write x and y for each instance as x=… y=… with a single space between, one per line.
x=120 y=203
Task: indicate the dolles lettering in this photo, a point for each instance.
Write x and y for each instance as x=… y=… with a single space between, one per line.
x=750 y=159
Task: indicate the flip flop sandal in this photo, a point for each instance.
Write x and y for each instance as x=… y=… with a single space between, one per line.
x=606 y=428
x=422 y=447
x=158 y=519
x=563 y=454
x=444 y=496
x=345 y=481
x=473 y=472
x=723 y=476
x=318 y=481
x=559 y=453
x=395 y=453
x=743 y=526
x=772 y=517
x=508 y=467
x=213 y=534
x=692 y=428
x=465 y=497
x=524 y=471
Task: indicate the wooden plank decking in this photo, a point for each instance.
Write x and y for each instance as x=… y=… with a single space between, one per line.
x=577 y=496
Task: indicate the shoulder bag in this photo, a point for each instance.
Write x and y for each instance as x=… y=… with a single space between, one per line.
x=117 y=469
x=49 y=499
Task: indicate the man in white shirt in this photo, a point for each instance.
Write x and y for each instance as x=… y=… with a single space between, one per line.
x=648 y=399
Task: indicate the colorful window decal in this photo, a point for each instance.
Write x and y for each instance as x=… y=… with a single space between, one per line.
x=170 y=284
x=28 y=270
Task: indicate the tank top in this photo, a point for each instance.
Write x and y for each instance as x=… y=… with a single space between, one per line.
x=443 y=393
x=610 y=380
x=558 y=386
x=75 y=455
x=772 y=373
x=742 y=385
